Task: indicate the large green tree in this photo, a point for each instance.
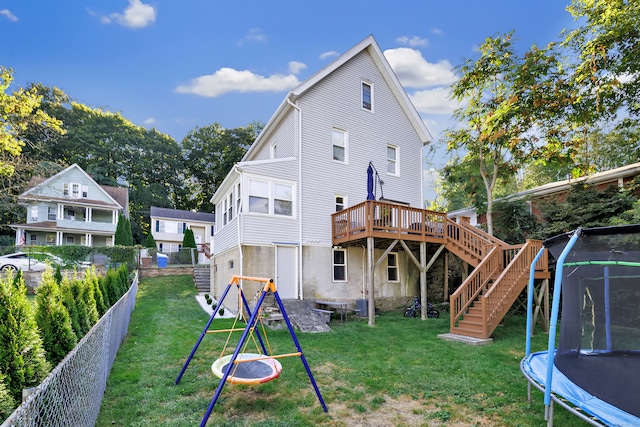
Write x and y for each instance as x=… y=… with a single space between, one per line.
x=210 y=152
x=116 y=152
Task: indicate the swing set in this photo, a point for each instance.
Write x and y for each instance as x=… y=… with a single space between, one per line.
x=242 y=367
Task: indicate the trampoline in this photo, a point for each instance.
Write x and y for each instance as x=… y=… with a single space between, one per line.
x=595 y=370
x=250 y=368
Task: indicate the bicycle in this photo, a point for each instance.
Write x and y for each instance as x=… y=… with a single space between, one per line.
x=416 y=310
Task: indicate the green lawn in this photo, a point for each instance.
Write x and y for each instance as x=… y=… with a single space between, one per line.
x=397 y=373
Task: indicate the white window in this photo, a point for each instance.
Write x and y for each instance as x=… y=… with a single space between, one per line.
x=392 y=160
x=340 y=148
x=85 y=191
x=273 y=150
x=225 y=209
x=339 y=265
x=230 y=206
x=65 y=189
x=160 y=226
x=367 y=96
x=258 y=196
x=33 y=238
x=75 y=191
x=341 y=203
x=282 y=199
x=392 y=267
x=52 y=213
x=238 y=199
x=182 y=227
x=34 y=213
x=71 y=240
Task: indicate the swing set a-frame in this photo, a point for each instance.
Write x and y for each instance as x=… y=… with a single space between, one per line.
x=249 y=368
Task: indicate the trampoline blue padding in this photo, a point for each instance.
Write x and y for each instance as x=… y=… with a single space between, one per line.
x=534 y=367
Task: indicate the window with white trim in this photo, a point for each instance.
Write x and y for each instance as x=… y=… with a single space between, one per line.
x=392 y=267
x=392 y=160
x=230 y=211
x=182 y=227
x=238 y=199
x=282 y=199
x=271 y=198
x=160 y=226
x=339 y=265
x=273 y=150
x=65 y=189
x=367 y=96
x=85 y=191
x=75 y=190
x=258 y=196
x=341 y=202
x=340 y=145
x=34 y=213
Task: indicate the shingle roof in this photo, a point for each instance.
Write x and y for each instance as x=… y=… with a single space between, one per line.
x=182 y=214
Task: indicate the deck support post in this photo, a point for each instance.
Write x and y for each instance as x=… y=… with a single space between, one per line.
x=423 y=279
x=370 y=270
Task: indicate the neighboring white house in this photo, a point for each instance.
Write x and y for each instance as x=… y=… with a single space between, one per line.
x=168 y=227
x=70 y=208
x=273 y=210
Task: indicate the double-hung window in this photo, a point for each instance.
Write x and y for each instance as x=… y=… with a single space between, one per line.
x=341 y=203
x=259 y=196
x=392 y=267
x=271 y=198
x=367 y=96
x=75 y=191
x=392 y=160
x=230 y=206
x=339 y=265
x=340 y=145
x=34 y=213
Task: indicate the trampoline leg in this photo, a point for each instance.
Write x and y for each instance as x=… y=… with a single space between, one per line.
x=529 y=392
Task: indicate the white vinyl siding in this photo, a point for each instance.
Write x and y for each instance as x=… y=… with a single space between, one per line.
x=368 y=137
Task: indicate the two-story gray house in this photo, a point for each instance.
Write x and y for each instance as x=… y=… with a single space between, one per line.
x=70 y=208
x=274 y=208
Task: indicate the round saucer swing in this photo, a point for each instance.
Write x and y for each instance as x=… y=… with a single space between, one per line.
x=249 y=369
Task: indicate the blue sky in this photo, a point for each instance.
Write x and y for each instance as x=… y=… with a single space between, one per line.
x=175 y=65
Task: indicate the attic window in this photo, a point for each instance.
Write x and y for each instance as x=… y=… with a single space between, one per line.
x=367 y=96
x=85 y=191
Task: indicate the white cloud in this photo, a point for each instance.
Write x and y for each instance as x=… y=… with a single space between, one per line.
x=227 y=80
x=436 y=31
x=329 y=54
x=434 y=101
x=415 y=71
x=137 y=15
x=150 y=121
x=414 y=41
x=295 y=67
x=254 y=35
x=10 y=16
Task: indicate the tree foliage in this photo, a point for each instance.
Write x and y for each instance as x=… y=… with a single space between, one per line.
x=22 y=356
x=210 y=152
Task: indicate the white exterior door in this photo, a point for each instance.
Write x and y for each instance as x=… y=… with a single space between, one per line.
x=286 y=271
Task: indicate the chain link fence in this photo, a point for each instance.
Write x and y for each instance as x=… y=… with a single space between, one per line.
x=72 y=393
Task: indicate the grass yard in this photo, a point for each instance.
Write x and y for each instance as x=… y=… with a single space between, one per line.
x=397 y=373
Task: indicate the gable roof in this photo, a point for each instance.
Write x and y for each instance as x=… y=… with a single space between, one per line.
x=115 y=194
x=370 y=45
x=182 y=214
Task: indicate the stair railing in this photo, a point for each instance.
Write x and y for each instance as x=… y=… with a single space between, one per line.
x=503 y=292
x=468 y=239
x=477 y=281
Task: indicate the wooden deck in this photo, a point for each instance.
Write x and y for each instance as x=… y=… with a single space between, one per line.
x=383 y=220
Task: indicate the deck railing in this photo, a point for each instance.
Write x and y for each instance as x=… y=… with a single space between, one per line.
x=389 y=220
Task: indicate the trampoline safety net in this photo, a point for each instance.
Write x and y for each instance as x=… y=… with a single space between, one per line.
x=599 y=345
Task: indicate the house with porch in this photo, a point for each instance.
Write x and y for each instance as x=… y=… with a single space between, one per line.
x=168 y=227
x=328 y=199
x=70 y=208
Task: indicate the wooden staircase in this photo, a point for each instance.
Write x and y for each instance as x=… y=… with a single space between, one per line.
x=501 y=273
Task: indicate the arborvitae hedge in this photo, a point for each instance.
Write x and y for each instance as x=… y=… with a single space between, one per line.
x=52 y=317
x=81 y=306
x=150 y=242
x=70 y=304
x=22 y=357
x=7 y=402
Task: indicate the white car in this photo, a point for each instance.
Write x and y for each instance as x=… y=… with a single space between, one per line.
x=21 y=261
x=35 y=261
